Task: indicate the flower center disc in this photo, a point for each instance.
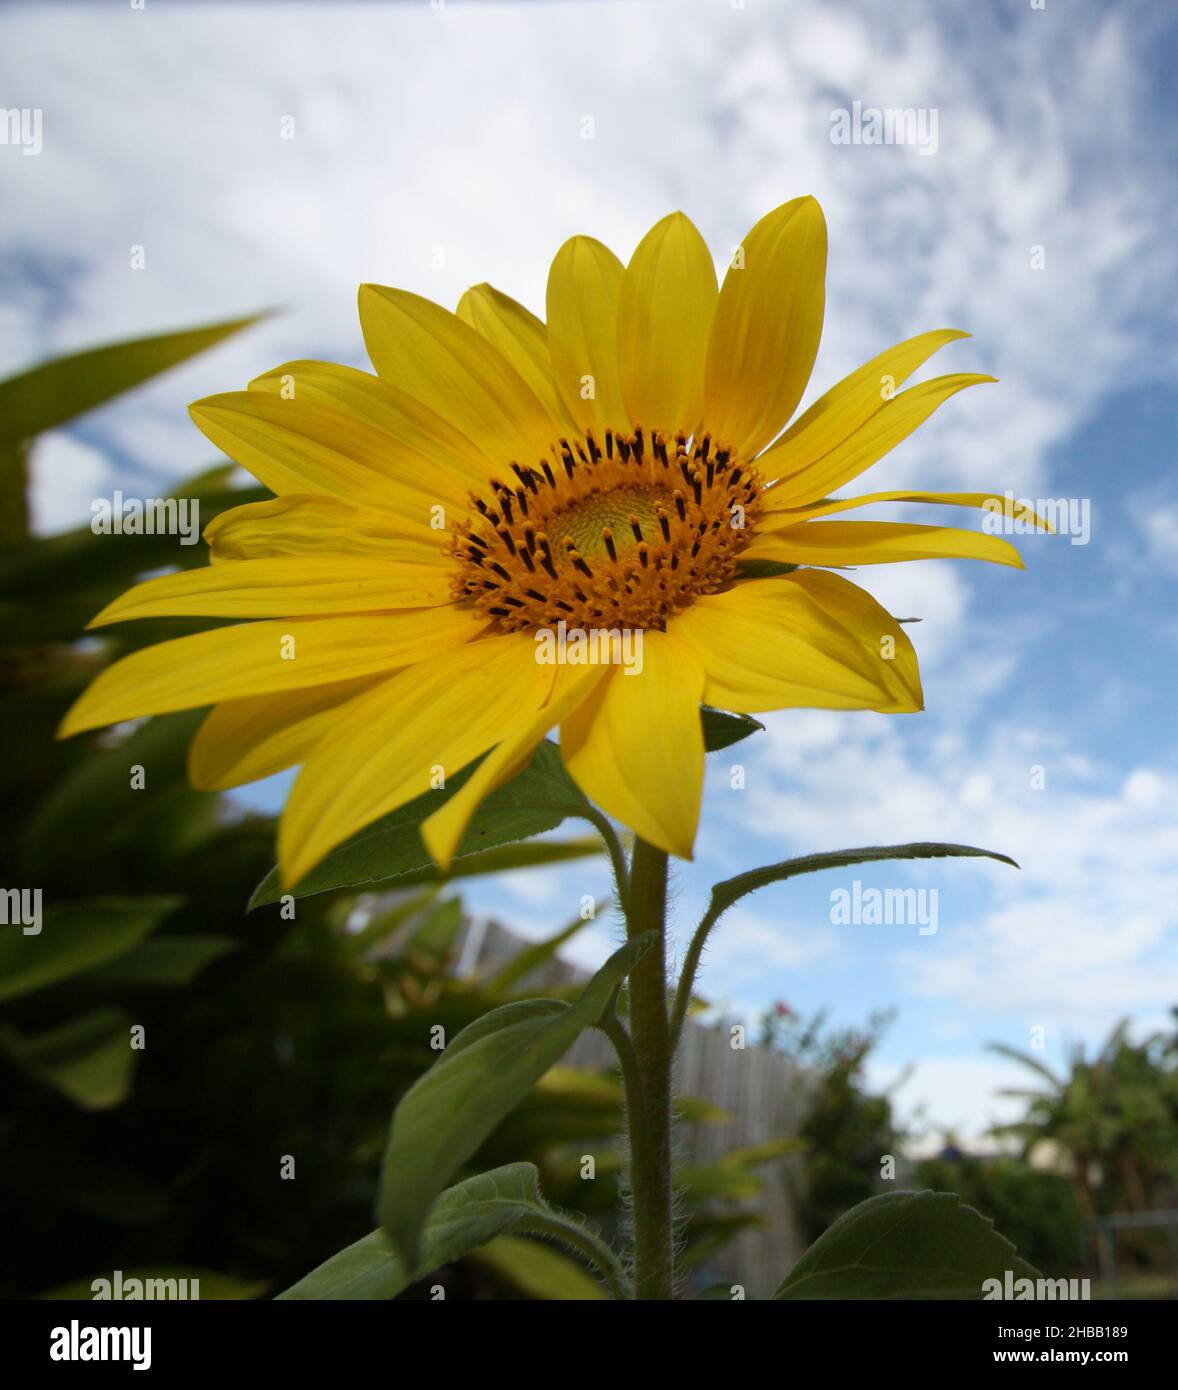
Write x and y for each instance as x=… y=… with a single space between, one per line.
x=621 y=535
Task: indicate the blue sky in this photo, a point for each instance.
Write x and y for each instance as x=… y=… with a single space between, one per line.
x=438 y=147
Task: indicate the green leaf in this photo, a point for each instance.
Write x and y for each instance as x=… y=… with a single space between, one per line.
x=905 y=1245
x=731 y=890
x=367 y=1269
x=41 y=618
x=721 y=729
x=14 y=505
x=75 y=937
x=54 y=392
x=531 y=854
x=435 y=931
x=708 y=1182
x=710 y=1229
x=1026 y=1059
x=538 y=1270
x=386 y=923
x=532 y=957
x=732 y=1175
x=96 y=805
x=463 y=1218
x=391 y=852
x=481 y=1077
x=168 y=962
x=89 y=1060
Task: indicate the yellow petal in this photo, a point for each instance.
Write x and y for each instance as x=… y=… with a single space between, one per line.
x=430 y=354
x=636 y=746
x=836 y=416
x=422 y=439
x=306 y=446
x=522 y=338
x=231 y=663
x=766 y=329
x=893 y=422
x=584 y=283
x=244 y=740
x=878 y=543
x=812 y=640
x=443 y=831
x=665 y=310
x=390 y=745
x=306 y=524
x=283 y=588
x=994 y=503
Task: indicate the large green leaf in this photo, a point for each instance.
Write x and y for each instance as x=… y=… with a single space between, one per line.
x=484 y=1073
x=90 y=1059
x=905 y=1245
x=391 y=851
x=463 y=1218
x=54 y=392
x=75 y=937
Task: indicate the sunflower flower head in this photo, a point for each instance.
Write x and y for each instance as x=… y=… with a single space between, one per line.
x=623 y=467
x=627 y=532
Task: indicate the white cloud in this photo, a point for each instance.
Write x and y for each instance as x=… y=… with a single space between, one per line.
x=749 y=943
x=67 y=477
x=955 y=1094
x=460 y=131
x=1084 y=932
x=1158 y=521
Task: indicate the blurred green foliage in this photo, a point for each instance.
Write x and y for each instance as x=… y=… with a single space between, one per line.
x=1113 y=1116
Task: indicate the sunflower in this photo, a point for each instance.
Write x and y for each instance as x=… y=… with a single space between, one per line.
x=620 y=469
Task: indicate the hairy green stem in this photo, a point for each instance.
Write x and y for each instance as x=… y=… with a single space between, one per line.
x=590 y=1246
x=613 y=845
x=687 y=975
x=649 y=1091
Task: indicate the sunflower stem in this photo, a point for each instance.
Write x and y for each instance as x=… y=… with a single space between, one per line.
x=648 y=1093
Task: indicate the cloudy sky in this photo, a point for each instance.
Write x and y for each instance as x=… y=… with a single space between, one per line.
x=437 y=145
